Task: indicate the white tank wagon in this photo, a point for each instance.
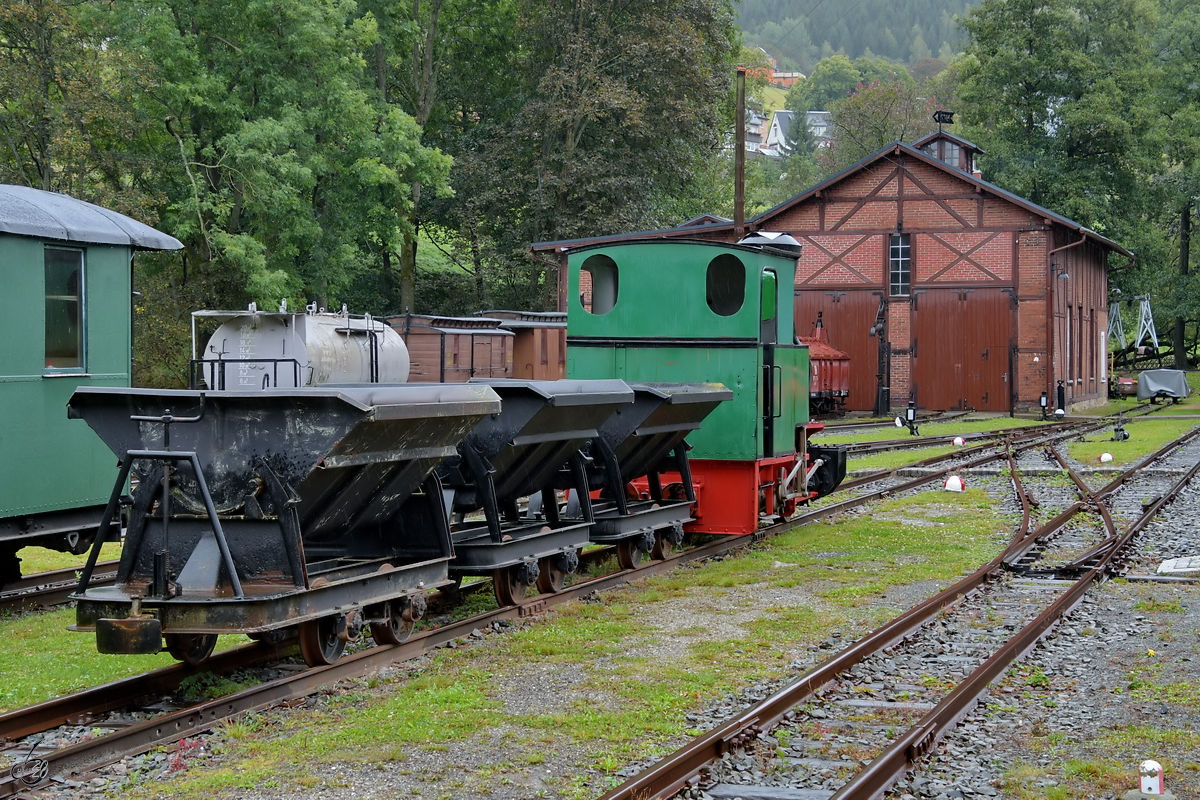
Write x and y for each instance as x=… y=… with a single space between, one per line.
x=253 y=350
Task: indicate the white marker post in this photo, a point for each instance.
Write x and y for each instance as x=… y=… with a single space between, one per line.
x=1150 y=773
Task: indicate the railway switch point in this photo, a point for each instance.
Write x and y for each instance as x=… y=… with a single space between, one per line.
x=955 y=484
x=1105 y=458
x=959 y=441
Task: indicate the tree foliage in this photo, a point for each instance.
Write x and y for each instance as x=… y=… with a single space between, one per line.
x=799 y=33
x=272 y=123
x=837 y=77
x=875 y=115
x=1056 y=97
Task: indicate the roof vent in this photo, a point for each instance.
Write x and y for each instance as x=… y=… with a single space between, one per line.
x=776 y=241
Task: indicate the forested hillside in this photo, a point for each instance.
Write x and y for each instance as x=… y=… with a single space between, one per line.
x=394 y=156
x=799 y=33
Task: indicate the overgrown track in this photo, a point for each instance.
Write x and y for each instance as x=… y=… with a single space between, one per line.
x=187 y=721
x=953 y=646
x=44 y=589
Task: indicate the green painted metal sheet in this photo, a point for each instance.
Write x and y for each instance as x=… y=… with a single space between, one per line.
x=48 y=462
x=662 y=291
x=662 y=326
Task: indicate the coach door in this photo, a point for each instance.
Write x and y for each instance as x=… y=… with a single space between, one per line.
x=961 y=349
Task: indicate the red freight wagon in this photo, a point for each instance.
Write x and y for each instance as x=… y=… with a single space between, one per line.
x=830 y=384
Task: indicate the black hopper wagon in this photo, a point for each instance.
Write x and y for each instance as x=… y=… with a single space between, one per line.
x=259 y=511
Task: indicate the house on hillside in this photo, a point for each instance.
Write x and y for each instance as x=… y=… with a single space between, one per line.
x=756 y=130
x=820 y=126
x=779 y=140
x=945 y=290
x=786 y=80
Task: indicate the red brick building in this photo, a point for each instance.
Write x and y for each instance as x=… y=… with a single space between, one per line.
x=943 y=289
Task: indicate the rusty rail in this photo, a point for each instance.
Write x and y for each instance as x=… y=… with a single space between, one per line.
x=681 y=767
x=49 y=588
x=886 y=769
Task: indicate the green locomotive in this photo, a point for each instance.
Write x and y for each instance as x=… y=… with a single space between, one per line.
x=686 y=311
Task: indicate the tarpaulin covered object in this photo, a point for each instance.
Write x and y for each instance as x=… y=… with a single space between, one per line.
x=1162 y=383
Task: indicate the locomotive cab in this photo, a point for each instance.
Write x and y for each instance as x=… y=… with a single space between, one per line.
x=690 y=311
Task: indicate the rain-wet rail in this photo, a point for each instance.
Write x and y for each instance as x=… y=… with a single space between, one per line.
x=43 y=589
x=852 y=726
x=125 y=739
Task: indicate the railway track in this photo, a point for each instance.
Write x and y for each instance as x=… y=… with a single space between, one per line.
x=856 y=723
x=43 y=589
x=135 y=737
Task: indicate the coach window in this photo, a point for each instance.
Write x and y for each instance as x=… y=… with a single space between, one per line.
x=899 y=264
x=725 y=285
x=64 y=310
x=598 y=284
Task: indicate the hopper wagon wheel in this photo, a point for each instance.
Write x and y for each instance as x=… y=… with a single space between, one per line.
x=629 y=555
x=191 y=648
x=511 y=583
x=664 y=543
x=553 y=570
x=551 y=575
x=320 y=643
x=403 y=614
x=662 y=546
x=666 y=540
x=632 y=550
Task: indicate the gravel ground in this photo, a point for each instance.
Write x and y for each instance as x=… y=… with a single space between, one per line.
x=1103 y=665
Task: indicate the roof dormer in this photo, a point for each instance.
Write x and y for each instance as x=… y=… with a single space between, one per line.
x=950 y=149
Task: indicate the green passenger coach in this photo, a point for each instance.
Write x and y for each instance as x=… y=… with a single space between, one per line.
x=671 y=311
x=65 y=265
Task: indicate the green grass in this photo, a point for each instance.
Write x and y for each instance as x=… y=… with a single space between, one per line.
x=1159 y=606
x=891 y=459
x=959 y=426
x=773 y=98
x=40 y=559
x=626 y=671
x=42 y=659
x=1146 y=434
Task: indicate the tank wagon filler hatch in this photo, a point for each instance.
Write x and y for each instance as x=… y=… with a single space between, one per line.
x=322 y=498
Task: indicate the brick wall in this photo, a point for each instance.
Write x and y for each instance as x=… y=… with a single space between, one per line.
x=960 y=238
x=899 y=329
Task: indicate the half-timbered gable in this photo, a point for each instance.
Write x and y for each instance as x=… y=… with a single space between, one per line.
x=945 y=291
x=953 y=277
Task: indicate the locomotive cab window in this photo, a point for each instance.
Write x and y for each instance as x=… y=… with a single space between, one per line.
x=725 y=285
x=64 y=310
x=598 y=284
